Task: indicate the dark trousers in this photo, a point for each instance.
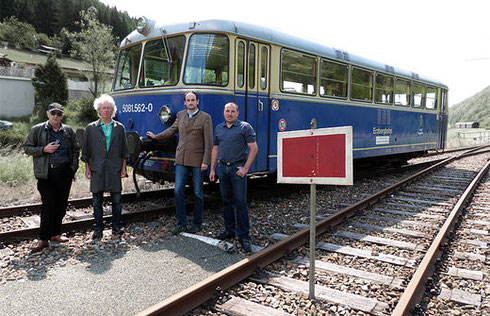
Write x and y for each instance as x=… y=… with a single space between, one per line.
x=181 y=175
x=54 y=196
x=234 y=195
x=97 y=199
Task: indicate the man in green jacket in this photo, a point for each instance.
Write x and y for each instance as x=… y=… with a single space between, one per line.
x=55 y=152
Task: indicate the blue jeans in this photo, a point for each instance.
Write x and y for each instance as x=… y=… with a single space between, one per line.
x=181 y=175
x=234 y=191
x=97 y=199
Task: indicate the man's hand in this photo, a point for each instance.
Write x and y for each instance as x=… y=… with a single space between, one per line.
x=242 y=171
x=51 y=147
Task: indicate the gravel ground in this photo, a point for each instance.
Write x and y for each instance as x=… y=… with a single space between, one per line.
x=120 y=281
x=93 y=265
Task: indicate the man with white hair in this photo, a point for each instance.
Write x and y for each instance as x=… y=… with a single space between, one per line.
x=105 y=152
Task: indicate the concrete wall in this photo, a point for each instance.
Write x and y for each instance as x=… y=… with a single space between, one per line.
x=16 y=96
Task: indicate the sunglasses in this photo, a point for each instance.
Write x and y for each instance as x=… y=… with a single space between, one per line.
x=57 y=113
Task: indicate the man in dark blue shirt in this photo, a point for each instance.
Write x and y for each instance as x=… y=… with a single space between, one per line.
x=232 y=138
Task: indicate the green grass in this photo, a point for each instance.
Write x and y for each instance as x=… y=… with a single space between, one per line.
x=15 y=167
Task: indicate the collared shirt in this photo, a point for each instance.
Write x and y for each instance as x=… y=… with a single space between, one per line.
x=192 y=115
x=61 y=155
x=107 y=129
x=233 y=141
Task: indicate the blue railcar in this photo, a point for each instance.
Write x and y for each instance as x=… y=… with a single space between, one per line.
x=279 y=82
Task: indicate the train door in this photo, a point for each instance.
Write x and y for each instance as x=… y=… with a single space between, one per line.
x=252 y=84
x=443 y=115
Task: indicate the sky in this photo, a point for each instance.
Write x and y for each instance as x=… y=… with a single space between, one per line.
x=448 y=41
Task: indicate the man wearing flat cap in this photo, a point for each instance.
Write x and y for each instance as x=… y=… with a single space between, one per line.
x=55 y=152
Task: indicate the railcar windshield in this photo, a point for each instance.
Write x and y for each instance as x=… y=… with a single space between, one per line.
x=162 y=65
x=127 y=68
x=207 y=60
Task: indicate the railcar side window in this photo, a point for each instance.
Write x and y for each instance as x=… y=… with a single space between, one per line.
x=298 y=72
x=402 y=92
x=251 y=66
x=418 y=95
x=241 y=65
x=127 y=68
x=384 y=89
x=207 y=60
x=161 y=65
x=362 y=85
x=333 y=79
x=264 y=59
x=431 y=98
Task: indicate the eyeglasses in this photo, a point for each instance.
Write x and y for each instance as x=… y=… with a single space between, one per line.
x=57 y=113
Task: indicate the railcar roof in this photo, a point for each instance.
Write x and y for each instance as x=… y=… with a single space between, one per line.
x=268 y=35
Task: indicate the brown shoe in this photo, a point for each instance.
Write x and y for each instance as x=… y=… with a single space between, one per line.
x=40 y=245
x=59 y=238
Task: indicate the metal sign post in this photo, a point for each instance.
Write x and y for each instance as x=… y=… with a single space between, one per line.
x=315 y=156
x=311 y=294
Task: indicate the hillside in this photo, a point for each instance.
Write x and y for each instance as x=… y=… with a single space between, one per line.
x=473 y=109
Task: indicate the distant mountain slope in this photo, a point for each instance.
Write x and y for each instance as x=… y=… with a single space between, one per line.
x=473 y=109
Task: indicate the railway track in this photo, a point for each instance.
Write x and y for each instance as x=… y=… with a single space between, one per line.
x=373 y=257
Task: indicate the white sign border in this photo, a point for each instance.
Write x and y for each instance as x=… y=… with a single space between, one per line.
x=346 y=130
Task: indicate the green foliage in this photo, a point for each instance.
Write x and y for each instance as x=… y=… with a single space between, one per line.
x=50 y=17
x=11 y=138
x=473 y=109
x=17 y=33
x=15 y=137
x=95 y=44
x=50 y=85
x=81 y=112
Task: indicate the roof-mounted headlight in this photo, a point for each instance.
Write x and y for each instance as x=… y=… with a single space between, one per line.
x=143 y=25
x=165 y=114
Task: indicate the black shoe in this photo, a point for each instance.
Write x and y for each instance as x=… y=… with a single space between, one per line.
x=97 y=234
x=178 y=230
x=194 y=229
x=117 y=231
x=245 y=243
x=225 y=235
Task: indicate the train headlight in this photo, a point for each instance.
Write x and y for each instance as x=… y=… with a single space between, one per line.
x=142 y=25
x=165 y=114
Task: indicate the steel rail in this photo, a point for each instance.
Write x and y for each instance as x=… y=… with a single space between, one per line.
x=197 y=294
x=20 y=234
x=81 y=202
x=414 y=291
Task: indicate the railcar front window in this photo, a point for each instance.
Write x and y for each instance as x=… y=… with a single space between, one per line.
x=402 y=92
x=207 y=60
x=431 y=98
x=298 y=72
x=384 y=89
x=418 y=95
x=162 y=62
x=362 y=85
x=127 y=68
x=333 y=79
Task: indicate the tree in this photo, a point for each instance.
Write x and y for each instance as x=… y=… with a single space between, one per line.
x=50 y=85
x=18 y=33
x=95 y=44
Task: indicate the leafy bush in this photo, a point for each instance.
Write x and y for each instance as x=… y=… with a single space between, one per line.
x=81 y=112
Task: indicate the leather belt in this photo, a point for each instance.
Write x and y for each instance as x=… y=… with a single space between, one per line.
x=231 y=163
x=58 y=165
